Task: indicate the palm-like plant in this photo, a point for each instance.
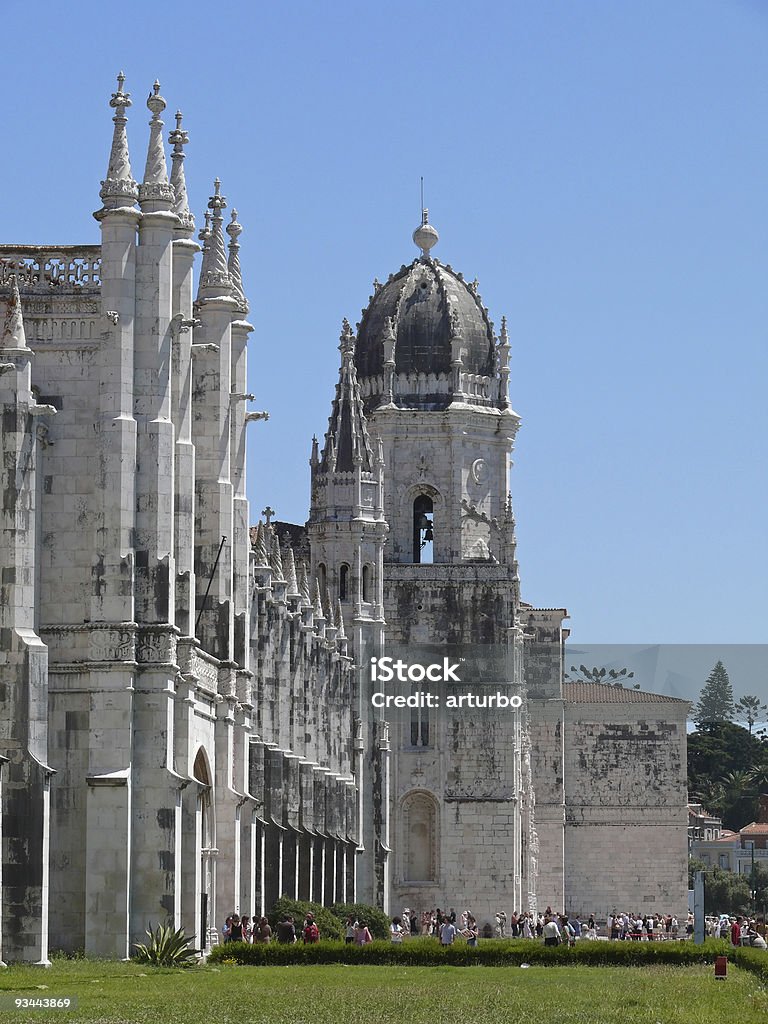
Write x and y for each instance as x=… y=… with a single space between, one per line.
x=751 y=709
x=758 y=775
x=167 y=947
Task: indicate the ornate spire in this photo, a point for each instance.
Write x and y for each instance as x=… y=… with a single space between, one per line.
x=179 y=139
x=118 y=188
x=503 y=356
x=13 y=326
x=340 y=632
x=214 y=277
x=329 y=608
x=155 y=187
x=204 y=233
x=260 y=547
x=234 y=230
x=290 y=573
x=275 y=558
x=304 y=584
x=317 y=601
x=346 y=440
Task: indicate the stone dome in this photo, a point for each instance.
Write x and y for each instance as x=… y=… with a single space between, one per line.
x=427 y=305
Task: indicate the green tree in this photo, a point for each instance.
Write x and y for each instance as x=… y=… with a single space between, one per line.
x=750 y=709
x=726 y=892
x=713 y=754
x=758 y=773
x=737 y=798
x=758 y=882
x=716 y=703
x=694 y=864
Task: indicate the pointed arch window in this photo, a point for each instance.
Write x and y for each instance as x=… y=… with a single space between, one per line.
x=367 y=583
x=322 y=578
x=423 y=529
x=343 y=582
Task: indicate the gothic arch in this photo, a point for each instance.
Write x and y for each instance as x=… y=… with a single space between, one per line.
x=201 y=770
x=417 y=500
x=420 y=837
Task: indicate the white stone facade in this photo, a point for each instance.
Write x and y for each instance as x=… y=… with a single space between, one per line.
x=186 y=726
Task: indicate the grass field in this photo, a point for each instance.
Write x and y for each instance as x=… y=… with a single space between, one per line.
x=120 y=993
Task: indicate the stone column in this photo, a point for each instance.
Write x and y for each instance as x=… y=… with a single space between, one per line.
x=211 y=433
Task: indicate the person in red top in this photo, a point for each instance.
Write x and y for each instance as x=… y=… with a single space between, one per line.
x=735 y=932
x=311 y=931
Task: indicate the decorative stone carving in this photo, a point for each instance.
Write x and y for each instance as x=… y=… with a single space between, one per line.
x=158 y=647
x=43 y=271
x=112 y=645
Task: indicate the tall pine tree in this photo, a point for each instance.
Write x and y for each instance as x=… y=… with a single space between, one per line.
x=716 y=703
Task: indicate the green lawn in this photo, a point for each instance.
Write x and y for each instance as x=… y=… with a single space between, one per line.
x=129 y=994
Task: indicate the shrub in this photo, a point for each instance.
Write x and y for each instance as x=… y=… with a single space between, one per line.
x=167 y=947
x=753 y=960
x=329 y=926
x=426 y=952
x=376 y=919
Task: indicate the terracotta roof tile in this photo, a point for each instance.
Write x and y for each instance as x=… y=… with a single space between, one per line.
x=603 y=693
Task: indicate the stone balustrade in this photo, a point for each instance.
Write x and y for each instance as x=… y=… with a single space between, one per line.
x=43 y=270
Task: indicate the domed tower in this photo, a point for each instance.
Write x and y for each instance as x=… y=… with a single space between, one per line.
x=433 y=377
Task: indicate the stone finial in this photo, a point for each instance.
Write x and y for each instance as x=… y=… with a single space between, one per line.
x=234 y=230
x=346 y=339
x=314 y=459
x=425 y=236
x=504 y=336
x=155 y=187
x=204 y=234
x=290 y=573
x=275 y=559
x=214 y=276
x=317 y=601
x=329 y=609
x=340 y=632
x=13 y=336
x=118 y=188
x=304 y=584
x=457 y=328
x=389 y=334
x=179 y=138
x=260 y=548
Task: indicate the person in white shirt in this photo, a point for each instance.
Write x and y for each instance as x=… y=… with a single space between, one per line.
x=447 y=934
x=551 y=932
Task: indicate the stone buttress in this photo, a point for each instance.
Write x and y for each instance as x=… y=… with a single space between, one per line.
x=24 y=772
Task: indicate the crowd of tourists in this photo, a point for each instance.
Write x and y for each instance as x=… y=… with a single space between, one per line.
x=553 y=928
x=741 y=931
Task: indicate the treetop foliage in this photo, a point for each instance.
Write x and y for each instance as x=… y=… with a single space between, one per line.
x=716 y=702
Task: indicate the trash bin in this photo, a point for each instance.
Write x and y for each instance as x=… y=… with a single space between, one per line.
x=721 y=967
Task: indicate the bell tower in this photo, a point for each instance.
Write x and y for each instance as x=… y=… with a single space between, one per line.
x=434 y=379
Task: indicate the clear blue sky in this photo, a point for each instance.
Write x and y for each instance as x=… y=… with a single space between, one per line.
x=601 y=167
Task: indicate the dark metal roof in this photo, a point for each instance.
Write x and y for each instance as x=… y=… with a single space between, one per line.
x=428 y=304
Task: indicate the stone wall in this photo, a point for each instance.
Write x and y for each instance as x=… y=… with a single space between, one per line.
x=626 y=802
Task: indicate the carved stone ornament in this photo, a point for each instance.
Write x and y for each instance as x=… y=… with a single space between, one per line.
x=159 y=648
x=125 y=188
x=157 y=190
x=112 y=645
x=479 y=471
